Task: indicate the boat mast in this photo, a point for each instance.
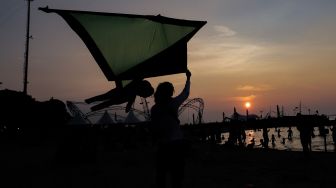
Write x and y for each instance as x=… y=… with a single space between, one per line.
x=25 y=77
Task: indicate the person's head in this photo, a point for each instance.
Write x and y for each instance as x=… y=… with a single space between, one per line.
x=164 y=92
x=145 y=89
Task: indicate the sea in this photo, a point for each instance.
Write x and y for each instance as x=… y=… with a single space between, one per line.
x=319 y=143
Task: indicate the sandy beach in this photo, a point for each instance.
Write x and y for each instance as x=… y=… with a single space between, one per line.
x=208 y=166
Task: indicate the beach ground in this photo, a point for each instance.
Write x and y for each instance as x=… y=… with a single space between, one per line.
x=209 y=166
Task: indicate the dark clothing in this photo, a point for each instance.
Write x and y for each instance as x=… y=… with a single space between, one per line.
x=305 y=137
x=171 y=161
x=171 y=143
x=165 y=117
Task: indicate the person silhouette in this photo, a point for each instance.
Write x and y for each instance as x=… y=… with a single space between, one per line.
x=273 y=140
x=171 y=143
x=121 y=95
x=251 y=144
x=278 y=131
x=306 y=131
x=265 y=136
x=290 y=133
x=333 y=133
x=283 y=141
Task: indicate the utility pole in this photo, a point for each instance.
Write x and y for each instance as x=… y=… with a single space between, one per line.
x=25 y=77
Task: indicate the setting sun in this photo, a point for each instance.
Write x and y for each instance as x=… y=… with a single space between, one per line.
x=247 y=104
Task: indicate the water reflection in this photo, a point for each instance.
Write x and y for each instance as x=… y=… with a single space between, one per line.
x=283 y=142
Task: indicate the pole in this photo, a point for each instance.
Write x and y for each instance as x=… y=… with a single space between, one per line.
x=25 y=79
x=247 y=114
x=325 y=139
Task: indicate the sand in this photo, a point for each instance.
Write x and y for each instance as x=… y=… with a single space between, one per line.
x=209 y=166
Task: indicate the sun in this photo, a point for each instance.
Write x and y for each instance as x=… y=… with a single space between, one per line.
x=247 y=104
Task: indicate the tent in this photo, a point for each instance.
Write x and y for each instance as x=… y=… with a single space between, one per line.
x=131 y=118
x=105 y=119
x=77 y=120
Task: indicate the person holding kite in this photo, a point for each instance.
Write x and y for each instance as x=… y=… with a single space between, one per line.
x=172 y=146
x=130 y=46
x=121 y=95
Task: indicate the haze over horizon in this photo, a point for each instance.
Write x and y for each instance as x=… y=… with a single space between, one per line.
x=267 y=52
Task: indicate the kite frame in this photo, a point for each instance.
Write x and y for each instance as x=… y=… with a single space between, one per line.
x=179 y=49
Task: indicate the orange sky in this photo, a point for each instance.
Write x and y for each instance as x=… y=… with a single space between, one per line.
x=267 y=52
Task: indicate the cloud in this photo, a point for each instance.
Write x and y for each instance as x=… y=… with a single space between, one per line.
x=223 y=55
x=254 y=88
x=243 y=98
x=224 y=31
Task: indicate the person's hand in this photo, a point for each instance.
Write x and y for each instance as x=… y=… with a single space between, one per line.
x=188 y=73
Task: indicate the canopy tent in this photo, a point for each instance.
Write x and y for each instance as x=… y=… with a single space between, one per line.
x=131 y=118
x=127 y=46
x=77 y=120
x=105 y=119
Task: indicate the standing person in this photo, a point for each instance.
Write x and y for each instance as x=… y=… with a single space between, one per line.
x=290 y=133
x=305 y=130
x=273 y=140
x=279 y=135
x=243 y=135
x=333 y=131
x=265 y=136
x=171 y=143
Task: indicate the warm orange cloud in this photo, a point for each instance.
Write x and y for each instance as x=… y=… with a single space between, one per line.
x=254 y=88
x=243 y=98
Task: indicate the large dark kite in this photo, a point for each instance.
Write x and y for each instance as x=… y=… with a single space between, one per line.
x=127 y=46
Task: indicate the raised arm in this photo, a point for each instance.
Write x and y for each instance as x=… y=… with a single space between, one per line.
x=178 y=100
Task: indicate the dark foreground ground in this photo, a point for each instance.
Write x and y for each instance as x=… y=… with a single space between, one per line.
x=208 y=166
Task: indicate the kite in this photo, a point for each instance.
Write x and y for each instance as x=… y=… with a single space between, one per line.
x=130 y=47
